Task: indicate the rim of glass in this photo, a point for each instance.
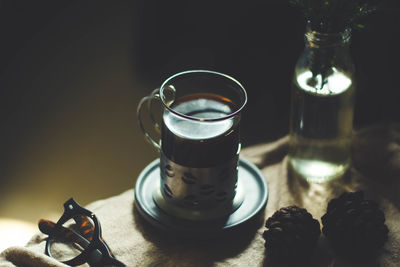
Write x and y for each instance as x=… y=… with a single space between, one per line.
x=230 y=115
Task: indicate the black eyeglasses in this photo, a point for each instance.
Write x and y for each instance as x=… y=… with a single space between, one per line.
x=76 y=238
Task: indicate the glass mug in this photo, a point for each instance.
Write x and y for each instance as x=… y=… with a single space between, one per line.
x=200 y=143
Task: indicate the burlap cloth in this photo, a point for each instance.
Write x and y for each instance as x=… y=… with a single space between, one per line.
x=376 y=169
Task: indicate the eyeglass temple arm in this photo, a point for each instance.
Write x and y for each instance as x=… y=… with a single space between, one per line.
x=50 y=228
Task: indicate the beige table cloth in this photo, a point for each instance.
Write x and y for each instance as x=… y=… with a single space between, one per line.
x=376 y=169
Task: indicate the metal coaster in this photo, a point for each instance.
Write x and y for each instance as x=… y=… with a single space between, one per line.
x=255 y=191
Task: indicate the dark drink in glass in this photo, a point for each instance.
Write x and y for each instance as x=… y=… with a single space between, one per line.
x=196 y=143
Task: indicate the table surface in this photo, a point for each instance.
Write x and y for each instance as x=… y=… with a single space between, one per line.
x=137 y=243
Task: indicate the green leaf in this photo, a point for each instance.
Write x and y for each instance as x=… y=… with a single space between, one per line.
x=336 y=14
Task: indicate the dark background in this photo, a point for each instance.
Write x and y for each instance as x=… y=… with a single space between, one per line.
x=72 y=73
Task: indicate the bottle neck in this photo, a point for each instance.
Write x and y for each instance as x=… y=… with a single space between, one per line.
x=316 y=39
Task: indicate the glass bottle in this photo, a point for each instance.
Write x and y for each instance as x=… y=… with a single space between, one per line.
x=322 y=107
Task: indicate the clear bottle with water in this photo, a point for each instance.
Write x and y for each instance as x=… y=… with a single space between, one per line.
x=322 y=107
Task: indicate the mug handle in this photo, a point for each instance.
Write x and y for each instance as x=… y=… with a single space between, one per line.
x=139 y=112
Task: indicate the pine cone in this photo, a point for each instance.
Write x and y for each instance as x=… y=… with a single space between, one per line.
x=292 y=235
x=354 y=226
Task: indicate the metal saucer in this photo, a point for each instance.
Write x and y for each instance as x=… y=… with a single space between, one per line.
x=255 y=191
